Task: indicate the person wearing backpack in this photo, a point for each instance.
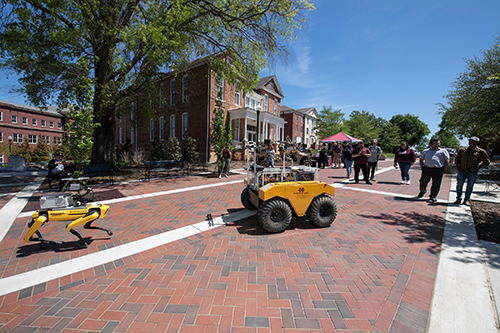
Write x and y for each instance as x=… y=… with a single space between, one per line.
x=347 y=157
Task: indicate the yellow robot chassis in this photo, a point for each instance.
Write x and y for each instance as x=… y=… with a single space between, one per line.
x=79 y=215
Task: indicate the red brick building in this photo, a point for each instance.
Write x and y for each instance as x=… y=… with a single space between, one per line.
x=190 y=100
x=20 y=123
x=300 y=125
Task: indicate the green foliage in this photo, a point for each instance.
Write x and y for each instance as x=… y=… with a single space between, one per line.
x=363 y=125
x=329 y=122
x=62 y=149
x=124 y=152
x=219 y=134
x=390 y=139
x=23 y=149
x=473 y=104
x=413 y=130
x=447 y=139
x=127 y=43
x=41 y=151
x=189 y=153
x=158 y=152
x=173 y=149
x=80 y=111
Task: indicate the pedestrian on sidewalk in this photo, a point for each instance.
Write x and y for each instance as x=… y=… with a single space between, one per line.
x=469 y=160
x=373 y=159
x=347 y=158
x=360 y=155
x=433 y=161
x=226 y=157
x=404 y=158
x=337 y=151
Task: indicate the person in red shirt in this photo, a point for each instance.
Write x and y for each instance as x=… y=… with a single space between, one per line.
x=360 y=155
x=226 y=156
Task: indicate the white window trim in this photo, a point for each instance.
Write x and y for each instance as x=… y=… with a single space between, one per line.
x=1 y=115
x=220 y=87
x=43 y=123
x=237 y=96
x=24 y=120
x=266 y=103
x=51 y=124
x=34 y=121
x=14 y=119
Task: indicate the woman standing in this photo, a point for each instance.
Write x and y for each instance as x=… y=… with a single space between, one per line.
x=226 y=156
x=405 y=157
x=270 y=157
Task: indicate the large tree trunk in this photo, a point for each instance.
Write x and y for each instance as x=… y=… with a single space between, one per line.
x=104 y=138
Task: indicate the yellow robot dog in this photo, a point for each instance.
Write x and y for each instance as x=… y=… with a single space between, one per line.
x=59 y=208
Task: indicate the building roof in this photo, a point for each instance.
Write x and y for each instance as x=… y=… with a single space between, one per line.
x=265 y=80
x=310 y=112
x=52 y=110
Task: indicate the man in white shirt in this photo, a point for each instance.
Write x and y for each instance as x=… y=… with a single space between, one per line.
x=433 y=162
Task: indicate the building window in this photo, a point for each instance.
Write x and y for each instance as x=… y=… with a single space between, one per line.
x=237 y=96
x=18 y=138
x=237 y=129
x=44 y=123
x=151 y=129
x=1 y=136
x=162 y=95
x=120 y=135
x=32 y=139
x=185 y=89
x=59 y=125
x=296 y=117
x=172 y=92
x=220 y=86
x=162 y=129
x=51 y=124
x=1 y=115
x=34 y=122
x=1 y=158
x=184 y=124
x=46 y=139
x=25 y=120
x=266 y=103
x=14 y=119
x=275 y=106
x=132 y=109
x=296 y=128
x=57 y=140
x=172 y=125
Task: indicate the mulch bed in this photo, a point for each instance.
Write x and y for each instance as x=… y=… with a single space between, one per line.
x=486 y=217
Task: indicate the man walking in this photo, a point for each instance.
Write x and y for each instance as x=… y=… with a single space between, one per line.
x=433 y=162
x=373 y=159
x=360 y=155
x=469 y=160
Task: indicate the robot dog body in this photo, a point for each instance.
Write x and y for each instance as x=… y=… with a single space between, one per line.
x=80 y=215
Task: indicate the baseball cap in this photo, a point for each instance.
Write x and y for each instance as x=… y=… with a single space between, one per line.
x=474 y=138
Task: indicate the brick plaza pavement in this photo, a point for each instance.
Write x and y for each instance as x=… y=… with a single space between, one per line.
x=373 y=270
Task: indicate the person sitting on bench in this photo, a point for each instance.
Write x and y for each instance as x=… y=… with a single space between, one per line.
x=57 y=170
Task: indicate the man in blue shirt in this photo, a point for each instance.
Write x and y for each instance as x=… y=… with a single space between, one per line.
x=433 y=162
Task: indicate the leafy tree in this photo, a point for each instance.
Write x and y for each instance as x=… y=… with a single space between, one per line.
x=128 y=43
x=390 y=139
x=329 y=122
x=158 y=152
x=80 y=111
x=363 y=125
x=173 y=148
x=189 y=153
x=447 y=139
x=219 y=134
x=413 y=130
x=473 y=104
x=23 y=149
x=41 y=151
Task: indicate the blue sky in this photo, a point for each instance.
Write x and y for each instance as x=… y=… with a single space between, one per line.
x=385 y=57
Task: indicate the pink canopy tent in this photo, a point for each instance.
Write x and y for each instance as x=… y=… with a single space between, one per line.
x=340 y=137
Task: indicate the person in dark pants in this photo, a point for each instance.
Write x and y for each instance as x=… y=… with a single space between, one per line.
x=360 y=155
x=373 y=159
x=323 y=157
x=433 y=161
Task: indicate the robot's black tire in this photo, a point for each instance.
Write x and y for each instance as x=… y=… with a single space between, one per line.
x=245 y=199
x=322 y=211
x=274 y=215
x=306 y=162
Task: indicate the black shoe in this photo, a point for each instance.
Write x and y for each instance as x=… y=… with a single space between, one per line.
x=369 y=183
x=458 y=202
x=356 y=181
x=431 y=199
x=372 y=179
x=420 y=194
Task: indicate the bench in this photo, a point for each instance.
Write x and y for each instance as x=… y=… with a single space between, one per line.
x=161 y=166
x=98 y=170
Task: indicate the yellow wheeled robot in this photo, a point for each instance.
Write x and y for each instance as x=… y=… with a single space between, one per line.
x=60 y=208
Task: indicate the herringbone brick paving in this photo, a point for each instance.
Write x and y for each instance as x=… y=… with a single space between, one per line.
x=373 y=270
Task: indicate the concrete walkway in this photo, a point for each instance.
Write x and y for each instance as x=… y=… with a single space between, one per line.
x=390 y=262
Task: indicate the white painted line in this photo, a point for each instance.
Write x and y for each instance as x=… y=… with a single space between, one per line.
x=461 y=300
x=32 y=278
x=11 y=210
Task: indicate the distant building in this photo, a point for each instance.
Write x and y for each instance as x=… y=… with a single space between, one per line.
x=300 y=125
x=189 y=103
x=20 y=123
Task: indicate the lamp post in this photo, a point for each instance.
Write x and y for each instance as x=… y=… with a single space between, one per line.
x=256 y=147
x=10 y=143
